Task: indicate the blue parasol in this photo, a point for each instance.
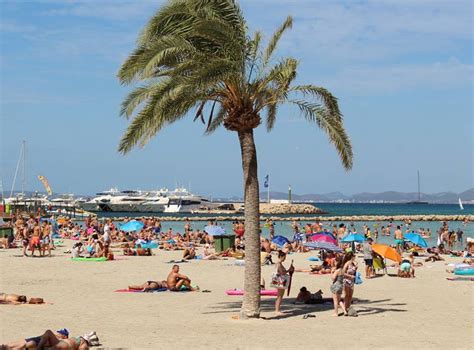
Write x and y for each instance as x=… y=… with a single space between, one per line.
x=416 y=239
x=280 y=241
x=353 y=237
x=214 y=230
x=131 y=226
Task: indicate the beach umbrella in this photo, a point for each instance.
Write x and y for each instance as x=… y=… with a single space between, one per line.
x=214 y=230
x=416 y=239
x=280 y=241
x=327 y=233
x=353 y=237
x=387 y=252
x=131 y=226
x=318 y=237
x=323 y=245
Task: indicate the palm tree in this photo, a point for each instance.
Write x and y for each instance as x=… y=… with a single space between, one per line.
x=198 y=55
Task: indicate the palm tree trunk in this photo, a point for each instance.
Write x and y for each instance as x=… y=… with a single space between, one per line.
x=251 y=303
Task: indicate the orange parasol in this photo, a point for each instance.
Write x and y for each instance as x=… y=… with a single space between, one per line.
x=387 y=252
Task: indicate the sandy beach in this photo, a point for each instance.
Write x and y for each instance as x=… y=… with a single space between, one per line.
x=426 y=312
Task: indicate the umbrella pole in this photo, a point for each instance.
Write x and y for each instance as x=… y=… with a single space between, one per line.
x=289 y=282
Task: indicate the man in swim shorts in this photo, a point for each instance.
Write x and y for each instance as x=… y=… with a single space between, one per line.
x=369 y=261
x=176 y=281
x=399 y=239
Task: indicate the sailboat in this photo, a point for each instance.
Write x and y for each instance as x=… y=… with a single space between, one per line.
x=419 y=193
x=460 y=204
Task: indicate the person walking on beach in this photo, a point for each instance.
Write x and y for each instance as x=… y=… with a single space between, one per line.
x=368 y=258
x=47 y=240
x=337 y=286
x=349 y=269
x=280 y=280
x=398 y=234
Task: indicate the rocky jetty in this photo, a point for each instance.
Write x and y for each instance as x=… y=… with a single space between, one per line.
x=287 y=208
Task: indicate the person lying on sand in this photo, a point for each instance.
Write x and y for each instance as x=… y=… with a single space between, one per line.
x=32 y=343
x=18 y=299
x=176 y=281
x=189 y=253
x=317 y=269
x=128 y=251
x=434 y=257
x=207 y=254
x=143 y=251
x=150 y=286
x=306 y=297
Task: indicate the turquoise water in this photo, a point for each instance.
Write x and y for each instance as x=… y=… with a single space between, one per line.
x=284 y=228
x=344 y=209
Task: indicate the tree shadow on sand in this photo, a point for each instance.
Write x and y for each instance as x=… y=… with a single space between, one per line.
x=364 y=307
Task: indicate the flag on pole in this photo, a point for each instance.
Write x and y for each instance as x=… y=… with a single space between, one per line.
x=266 y=182
x=45 y=184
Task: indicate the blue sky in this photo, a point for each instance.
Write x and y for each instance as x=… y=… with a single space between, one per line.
x=402 y=70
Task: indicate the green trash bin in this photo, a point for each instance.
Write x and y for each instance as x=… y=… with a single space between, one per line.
x=5 y=232
x=223 y=242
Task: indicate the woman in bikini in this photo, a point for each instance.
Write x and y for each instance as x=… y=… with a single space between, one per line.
x=18 y=299
x=282 y=271
x=337 y=286
x=349 y=269
x=150 y=286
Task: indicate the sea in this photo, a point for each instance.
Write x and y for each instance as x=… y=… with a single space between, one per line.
x=341 y=209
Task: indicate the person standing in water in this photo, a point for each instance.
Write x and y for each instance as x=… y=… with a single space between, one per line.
x=399 y=239
x=283 y=274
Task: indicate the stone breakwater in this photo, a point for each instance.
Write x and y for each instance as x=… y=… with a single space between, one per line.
x=320 y=218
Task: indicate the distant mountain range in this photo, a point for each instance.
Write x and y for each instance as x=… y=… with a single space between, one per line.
x=388 y=196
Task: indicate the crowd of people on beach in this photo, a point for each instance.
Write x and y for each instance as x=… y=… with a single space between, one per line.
x=104 y=239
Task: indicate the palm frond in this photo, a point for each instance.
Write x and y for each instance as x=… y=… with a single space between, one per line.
x=216 y=121
x=333 y=128
x=142 y=94
x=271 y=115
x=275 y=38
x=323 y=95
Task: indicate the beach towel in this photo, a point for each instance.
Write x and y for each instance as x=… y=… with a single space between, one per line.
x=313 y=258
x=139 y=291
x=263 y=292
x=89 y=259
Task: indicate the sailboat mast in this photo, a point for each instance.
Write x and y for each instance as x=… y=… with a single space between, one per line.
x=419 y=193
x=23 y=182
x=17 y=168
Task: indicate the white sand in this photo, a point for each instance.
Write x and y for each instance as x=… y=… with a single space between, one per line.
x=425 y=312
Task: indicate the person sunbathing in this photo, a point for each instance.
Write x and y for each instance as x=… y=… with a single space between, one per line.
x=306 y=297
x=176 y=281
x=434 y=257
x=189 y=253
x=143 y=251
x=150 y=286
x=18 y=299
x=128 y=251
x=32 y=342
x=207 y=254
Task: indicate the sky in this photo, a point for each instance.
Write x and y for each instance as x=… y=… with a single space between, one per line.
x=402 y=71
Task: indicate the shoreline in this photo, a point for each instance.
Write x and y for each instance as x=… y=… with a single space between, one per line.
x=438 y=217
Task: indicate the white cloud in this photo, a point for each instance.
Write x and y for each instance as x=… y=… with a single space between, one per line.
x=393 y=78
x=107 y=9
x=366 y=31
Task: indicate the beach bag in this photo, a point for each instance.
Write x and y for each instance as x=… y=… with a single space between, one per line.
x=279 y=281
x=358 y=278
